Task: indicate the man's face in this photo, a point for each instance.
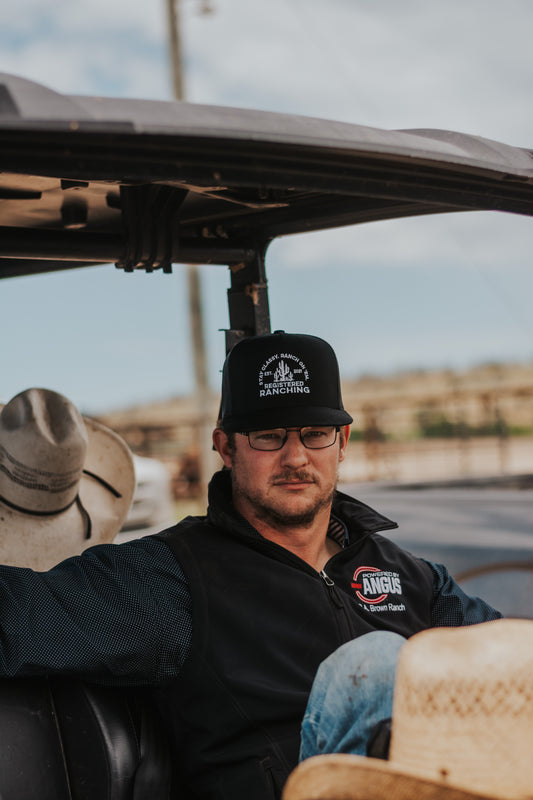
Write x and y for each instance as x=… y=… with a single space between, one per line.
x=282 y=488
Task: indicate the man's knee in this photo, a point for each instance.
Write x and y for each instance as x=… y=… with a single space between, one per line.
x=352 y=692
x=372 y=656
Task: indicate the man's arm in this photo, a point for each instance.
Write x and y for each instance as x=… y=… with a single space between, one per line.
x=451 y=606
x=118 y=614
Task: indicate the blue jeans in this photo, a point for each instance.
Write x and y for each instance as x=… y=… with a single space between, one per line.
x=351 y=693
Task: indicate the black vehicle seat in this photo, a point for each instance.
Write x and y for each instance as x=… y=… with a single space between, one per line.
x=62 y=739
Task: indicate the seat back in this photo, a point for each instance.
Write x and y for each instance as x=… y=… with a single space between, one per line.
x=63 y=739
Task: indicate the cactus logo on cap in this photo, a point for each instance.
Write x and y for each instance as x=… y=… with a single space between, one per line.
x=283 y=373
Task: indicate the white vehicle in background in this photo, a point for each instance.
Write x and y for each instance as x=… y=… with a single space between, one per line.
x=152 y=507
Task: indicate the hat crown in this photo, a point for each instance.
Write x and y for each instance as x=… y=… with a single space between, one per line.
x=43 y=443
x=280 y=380
x=463 y=705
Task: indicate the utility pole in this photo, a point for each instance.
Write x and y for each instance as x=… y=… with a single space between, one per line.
x=196 y=324
x=176 y=55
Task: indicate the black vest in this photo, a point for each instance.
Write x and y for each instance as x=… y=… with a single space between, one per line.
x=263 y=620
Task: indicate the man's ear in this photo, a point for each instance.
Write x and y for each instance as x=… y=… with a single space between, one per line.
x=344 y=437
x=221 y=445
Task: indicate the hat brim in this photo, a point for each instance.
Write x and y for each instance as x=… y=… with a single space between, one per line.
x=350 y=777
x=286 y=418
x=109 y=459
x=105 y=491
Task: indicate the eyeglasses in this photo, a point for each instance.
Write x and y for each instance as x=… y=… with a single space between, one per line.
x=312 y=437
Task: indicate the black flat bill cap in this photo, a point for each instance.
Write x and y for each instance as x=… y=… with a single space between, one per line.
x=281 y=380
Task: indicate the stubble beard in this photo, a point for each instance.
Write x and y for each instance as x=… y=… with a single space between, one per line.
x=280 y=518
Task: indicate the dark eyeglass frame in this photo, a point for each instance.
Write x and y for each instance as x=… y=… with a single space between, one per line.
x=301 y=432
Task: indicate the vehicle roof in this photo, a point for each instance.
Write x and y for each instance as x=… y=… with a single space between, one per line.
x=88 y=180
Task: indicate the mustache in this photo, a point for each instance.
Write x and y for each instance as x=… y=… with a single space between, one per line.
x=295 y=475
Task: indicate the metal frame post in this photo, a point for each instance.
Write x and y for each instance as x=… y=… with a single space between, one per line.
x=249 y=313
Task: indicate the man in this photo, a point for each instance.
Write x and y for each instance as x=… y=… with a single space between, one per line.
x=229 y=616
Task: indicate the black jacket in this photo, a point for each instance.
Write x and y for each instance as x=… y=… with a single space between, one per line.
x=263 y=620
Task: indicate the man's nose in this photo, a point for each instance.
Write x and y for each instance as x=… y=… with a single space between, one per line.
x=293 y=451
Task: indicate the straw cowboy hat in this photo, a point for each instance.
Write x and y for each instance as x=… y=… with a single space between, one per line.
x=66 y=482
x=462 y=724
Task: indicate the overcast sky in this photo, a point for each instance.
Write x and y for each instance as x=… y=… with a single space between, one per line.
x=444 y=291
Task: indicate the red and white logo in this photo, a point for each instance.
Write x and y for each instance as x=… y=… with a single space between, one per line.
x=373 y=585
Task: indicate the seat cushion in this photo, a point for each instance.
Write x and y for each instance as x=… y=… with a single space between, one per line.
x=64 y=739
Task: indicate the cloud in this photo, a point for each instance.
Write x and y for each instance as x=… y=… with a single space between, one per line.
x=94 y=47
x=482 y=239
x=387 y=64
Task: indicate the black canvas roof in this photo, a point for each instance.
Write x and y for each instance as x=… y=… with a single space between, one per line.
x=145 y=183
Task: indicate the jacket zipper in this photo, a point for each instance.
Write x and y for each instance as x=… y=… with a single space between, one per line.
x=342 y=619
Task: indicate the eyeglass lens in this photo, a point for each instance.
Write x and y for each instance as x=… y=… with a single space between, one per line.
x=314 y=438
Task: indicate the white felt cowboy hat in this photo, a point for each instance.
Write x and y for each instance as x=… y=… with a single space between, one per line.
x=66 y=482
x=462 y=724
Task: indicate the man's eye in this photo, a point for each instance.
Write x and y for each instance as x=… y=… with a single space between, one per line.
x=315 y=434
x=269 y=436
